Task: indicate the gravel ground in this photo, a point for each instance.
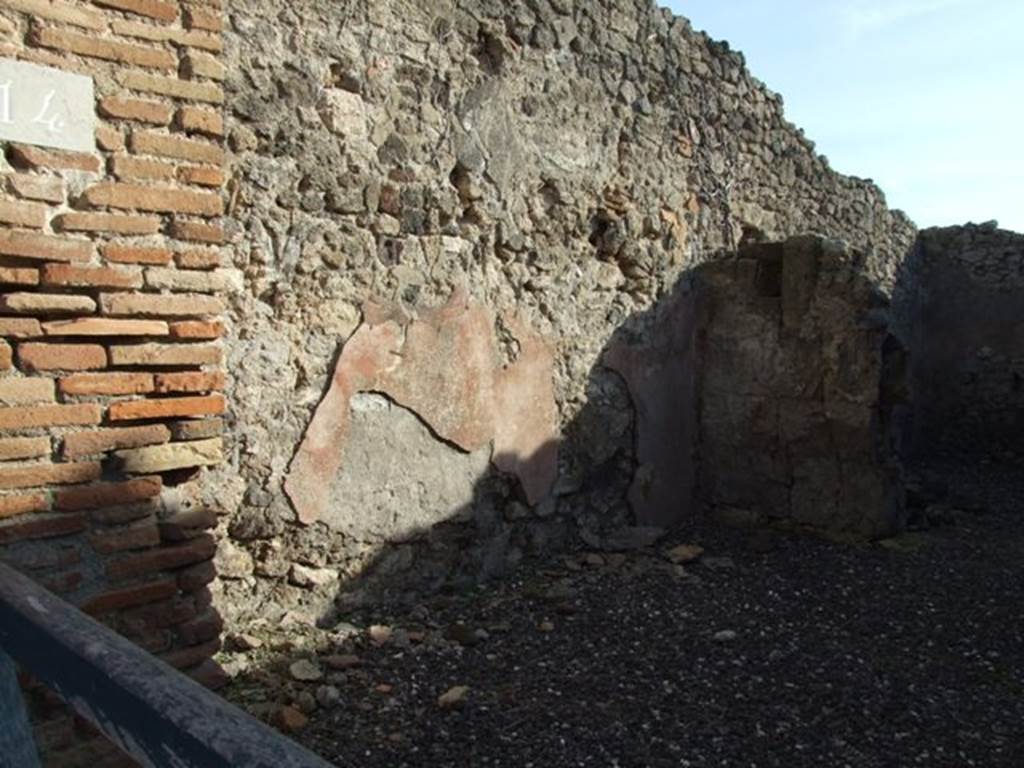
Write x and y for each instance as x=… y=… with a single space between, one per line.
x=769 y=650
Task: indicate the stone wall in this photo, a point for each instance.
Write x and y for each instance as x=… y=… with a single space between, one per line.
x=561 y=163
x=968 y=342
x=791 y=367
x=111 y=361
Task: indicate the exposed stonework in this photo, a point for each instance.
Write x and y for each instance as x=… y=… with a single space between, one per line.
x=790 y=360
x=563 y=163
x=967 y=338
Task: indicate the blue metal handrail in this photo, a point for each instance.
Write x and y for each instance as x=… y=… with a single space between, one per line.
x=151 y=711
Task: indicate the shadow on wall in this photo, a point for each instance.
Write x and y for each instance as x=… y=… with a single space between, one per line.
x=968 y=336
x=761 y=389
x=453 y=467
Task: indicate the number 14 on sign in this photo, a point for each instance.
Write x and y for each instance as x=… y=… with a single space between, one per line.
x=52 y=122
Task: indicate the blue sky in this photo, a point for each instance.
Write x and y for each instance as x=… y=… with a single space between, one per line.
x=926 y=97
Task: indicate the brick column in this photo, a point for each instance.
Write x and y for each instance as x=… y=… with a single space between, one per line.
x=110 y=320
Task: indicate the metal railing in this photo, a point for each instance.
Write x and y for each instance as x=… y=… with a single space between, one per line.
x=152 y=712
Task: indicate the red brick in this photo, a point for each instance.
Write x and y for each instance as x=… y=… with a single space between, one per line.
x=190 y=381
x=199 y=120
x=107 y=384
x=129 y=167
x=163 y=559
x=130 y=254
x=203 y=598
x=120 y=224
x=202 y=65
x=167 y=613
x=168 y=457
x=105 y=326
x=89 y=18
x=205 y=626
x=33 y=416
x=165 y=354
x=46 y=303
x=114 y=540
x=162 y=34
x=36 y=475
x=197 y=329
x=197 y=576
x=197 y=231
x=109 y=139
x=203 y=176
x=102 y=495
x=158 y=641
x=165 y=145
x=48 y=189
x=203 y=18
x=19 y=276
x=91 y=277
x=172 y=86
x=154 y=9
x=63 y=555
x=210 y=675
x=198 y=258
x=186 y=658
x=81 y=444
x=156 y=305
x=20 y=327
x=102 y=48
x=124 y=513
x=12 y=448
x=30 y=245
x=23 y=504
x=135 y=410
x=191 y=280
x=159 y=199
x=142 y=594
x=27 y=391
x=63 y=583
x=25 y=156
x=42 y=528
x=20 y=214
x=138 y=110
x=34 y=356
x=197 y=429
x=186 y=525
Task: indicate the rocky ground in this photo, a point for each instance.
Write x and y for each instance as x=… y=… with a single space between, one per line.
x=764 y=650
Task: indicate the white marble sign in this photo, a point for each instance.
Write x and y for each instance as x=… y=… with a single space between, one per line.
x=45 y=106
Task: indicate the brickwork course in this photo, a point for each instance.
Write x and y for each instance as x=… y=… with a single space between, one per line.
x=111 y=312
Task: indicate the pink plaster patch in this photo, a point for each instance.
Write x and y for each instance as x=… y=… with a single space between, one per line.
x=443 y=366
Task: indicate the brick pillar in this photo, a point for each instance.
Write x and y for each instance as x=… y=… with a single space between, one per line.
x=110 y=320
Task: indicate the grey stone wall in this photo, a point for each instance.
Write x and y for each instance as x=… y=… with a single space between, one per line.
x=563 y=162
x=791 y=367
x=968 y=344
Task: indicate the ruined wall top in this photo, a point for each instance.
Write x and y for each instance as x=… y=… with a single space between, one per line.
x=565 y=163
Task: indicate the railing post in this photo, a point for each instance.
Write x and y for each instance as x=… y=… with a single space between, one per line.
x=17 y=747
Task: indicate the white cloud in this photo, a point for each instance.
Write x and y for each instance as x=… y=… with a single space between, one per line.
x=864 y=16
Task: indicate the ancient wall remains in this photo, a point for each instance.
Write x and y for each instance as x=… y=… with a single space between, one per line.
x=791 y=368
x=967 y=373
x=470 y=268
x=561 y=163
x=110 y=276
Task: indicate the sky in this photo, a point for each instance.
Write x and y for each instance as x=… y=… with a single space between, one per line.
x=925 y=97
